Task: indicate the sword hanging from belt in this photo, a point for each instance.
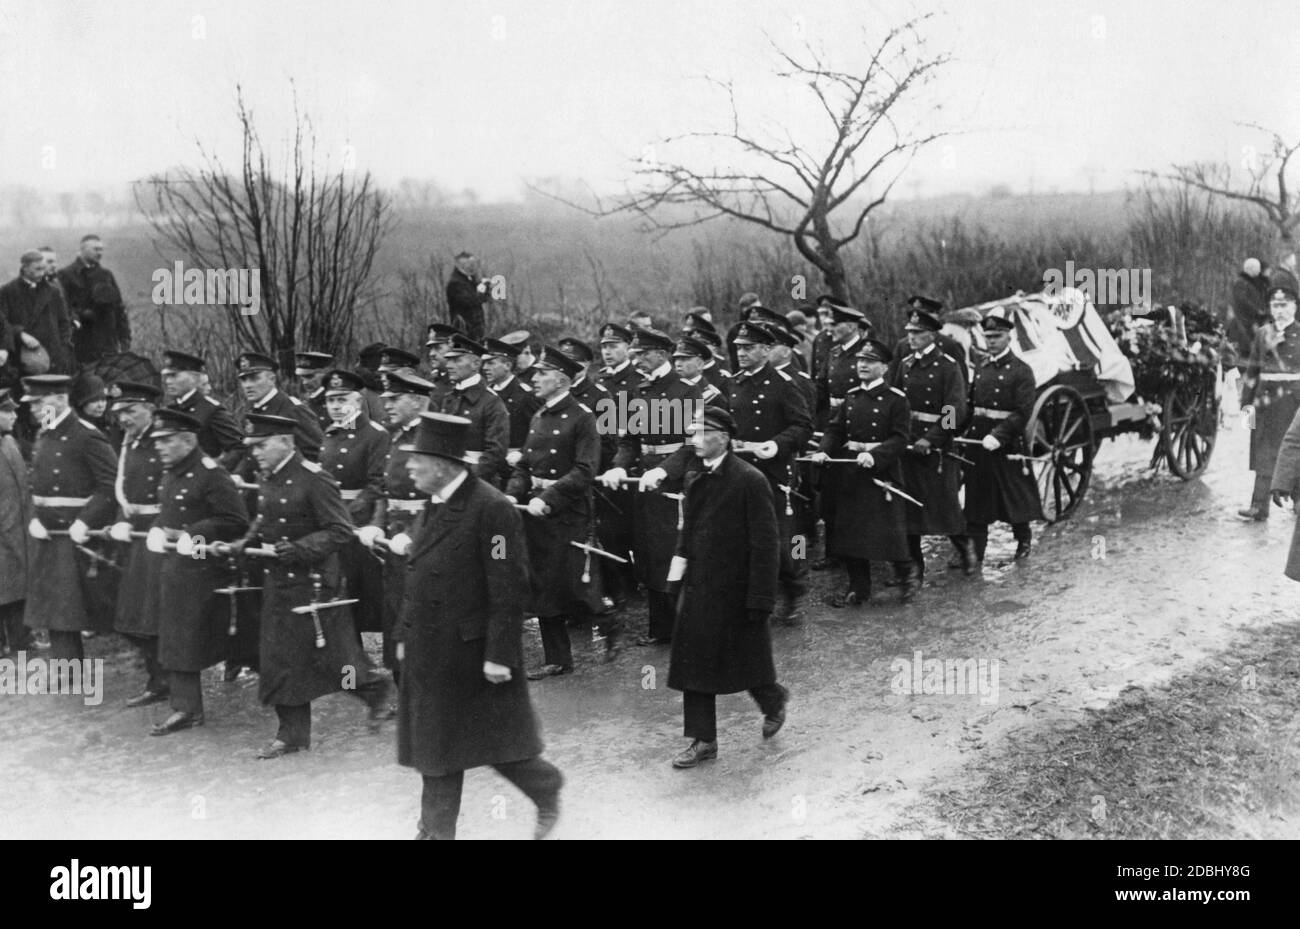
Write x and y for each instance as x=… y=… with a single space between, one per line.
x=233 y=593
x=317 y=605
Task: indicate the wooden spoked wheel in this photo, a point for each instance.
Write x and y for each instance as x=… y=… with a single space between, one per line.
x=1189 y=427
x=1059 y=440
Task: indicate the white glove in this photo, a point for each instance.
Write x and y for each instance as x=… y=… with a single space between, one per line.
x=652 y=479
x=400 y=544
x=156 y=540
x=765 y=450
x=676 y=569
x=79 y=532
x=185 y=545
x=4 y=356
x=513 y=456
x=495 y=673
x=819 y=457
x=990 y=444
x=120 y=532
x=537 y=507
x=36 y=529
x=30 y=340
x=613 y=478
x=369 y=535
x=866 y=461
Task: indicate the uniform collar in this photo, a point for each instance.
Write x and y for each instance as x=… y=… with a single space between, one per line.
x=346 y=425
x=497 y=388
x=261 y=404
x=556 y=400
x=925 y=351
x=59 y=421
x=662 y=371
x=281 y=466
x=618 y=369
x=181 y=401
x=472 y=381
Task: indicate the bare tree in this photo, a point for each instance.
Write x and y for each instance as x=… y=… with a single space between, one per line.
x=819 y=192
x=1265 y=185
x=313 y=234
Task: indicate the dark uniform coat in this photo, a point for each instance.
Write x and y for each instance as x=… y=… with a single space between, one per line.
x=95 y=301
x=615 y=509
x=300 y=504
x=197 y=496
x=869 y=523
x=71 y=462
x=839 y=376
x=713 y=394
x=489 y=431
x=396 y=513
x=1272 y=384
x=658 y=442
x=520 y=407
x=1286 y=477
x=139 y=472
x=464 y=606
x=356 y=455
x=936 y=395
x=730 y=544
x=1002 y=400
x=308 y=436
x=15 y=514
x=558 y=464
x=717 y=375
x=39 y=311
x=219 y=436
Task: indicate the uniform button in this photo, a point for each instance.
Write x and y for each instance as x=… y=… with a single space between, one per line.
x=282 y=519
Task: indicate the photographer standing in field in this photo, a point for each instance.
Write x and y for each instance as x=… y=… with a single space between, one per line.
x=466 y=295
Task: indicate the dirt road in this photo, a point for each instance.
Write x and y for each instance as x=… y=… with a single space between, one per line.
x=1154 y=601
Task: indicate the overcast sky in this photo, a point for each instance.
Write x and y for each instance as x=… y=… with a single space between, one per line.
x=483 y=94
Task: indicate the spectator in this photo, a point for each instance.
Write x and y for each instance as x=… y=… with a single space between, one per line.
x=34 y=314
x=466 y=295
x=96 y=305
x=1249 y=308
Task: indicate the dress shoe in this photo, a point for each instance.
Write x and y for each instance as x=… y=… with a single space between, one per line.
x=772 y=724
x=546 y=818
x=612 y=647
x=177 y=722
x=651 y=640
x=848 y=598
x=148 y=697
x=699 y=751
x=909 y=584
x=966 y=550
x=1252 y=514
x=275 y=748
x=789 y=611
x=1022 y=549
x=549 y=670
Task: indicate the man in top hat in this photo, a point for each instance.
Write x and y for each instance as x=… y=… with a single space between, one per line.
x=467 y=296
x=773 y=424
x=199 y=506
x=219 y=435
x=72 y=476
x=470 y=397
x=463 y=697
x=554 y=478
x=368 y=360
x=310 y=368
x=33 y=315
x=257 y=381
x=499 y=372
x=355 y=454
x=15 y=513
x=654 y=445
x=873 y=427
x=726 y=562
x=936 y=398
x=302 y=516
x=139 y=472
x=1002 y=400
x=689 y=358
x=1270 y=393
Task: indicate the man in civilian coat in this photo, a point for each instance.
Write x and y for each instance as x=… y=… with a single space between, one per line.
x=139 y=472
x=72 y=475
x=1002 y=400
x=33 y=313
x=15 y=512
x=655 y=446
x=198 y=505
x=463 y=698
x=95 y=304
x=553 y=478
x=726 y=564
x=467 y=295
x=872 y=426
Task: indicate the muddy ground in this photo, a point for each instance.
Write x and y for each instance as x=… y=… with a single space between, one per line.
x=1147 y=677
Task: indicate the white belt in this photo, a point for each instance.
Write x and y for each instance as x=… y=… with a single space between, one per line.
x=541 y=483
x=351 y=494
x=1279 y=376
x=60 y=501
x=473 y=457
x=660 y=449
x=926 y=417
x=861 y=446
x=406 y=506
x=142 y=509
x=739 y=446
x=517 y=451
x=992 y=414
x=836 y=401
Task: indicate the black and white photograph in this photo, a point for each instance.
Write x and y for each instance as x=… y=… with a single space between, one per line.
x=773 y=420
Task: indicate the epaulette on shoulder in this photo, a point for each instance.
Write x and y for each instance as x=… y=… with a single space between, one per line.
x=374 y=425
x=208 y=462
x=897 y=391
x=855 y=389
x=312 y=466
x=784 y=376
